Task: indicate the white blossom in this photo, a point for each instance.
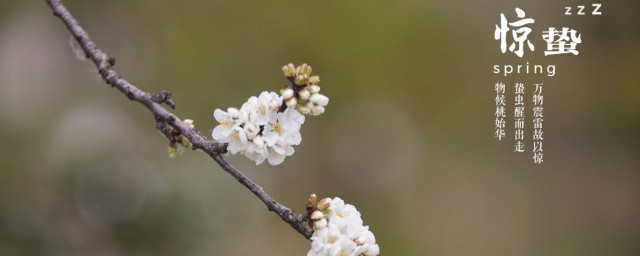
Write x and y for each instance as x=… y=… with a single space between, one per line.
x=282 y=134
x=262 y=109
x=341 y=232
x=259 y=130
x=225 y=127
x=237 y=141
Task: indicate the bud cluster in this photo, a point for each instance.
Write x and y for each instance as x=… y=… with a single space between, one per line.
x=338 y=229
x=304 y=91
x=178 y=143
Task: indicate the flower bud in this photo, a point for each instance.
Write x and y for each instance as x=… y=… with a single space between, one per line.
x=304 y=69
x=314 y=79
x=372 y=250
x=324 y=204
x=320 y=224
x=304 y=110
x=185 y=142
x=312 y=201
x=292 y=102
x=289 y=70
x=316 y=215
x=319 y=99
x=313 y=89
x=317 y=110
x=307 y=70
x=287 y=94
x=301 y=79
x=304 y=95
x=172 y=152
x=189 y=122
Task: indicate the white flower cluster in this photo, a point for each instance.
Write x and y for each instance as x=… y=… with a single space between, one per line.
x=258 y=130
x=339 y=231
x=268 y=126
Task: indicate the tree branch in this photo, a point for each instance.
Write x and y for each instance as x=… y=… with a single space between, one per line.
x=165 y=119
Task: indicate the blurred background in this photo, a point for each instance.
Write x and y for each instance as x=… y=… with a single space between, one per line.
x=407 y=136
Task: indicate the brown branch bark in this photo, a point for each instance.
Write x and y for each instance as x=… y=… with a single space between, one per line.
x=165 y=119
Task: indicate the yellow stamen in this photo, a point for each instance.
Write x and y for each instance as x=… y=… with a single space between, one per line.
x=278 y=128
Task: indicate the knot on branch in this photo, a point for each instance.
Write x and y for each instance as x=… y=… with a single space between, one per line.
x=163 y=128
x=111 y=60
x=221 y=148
x=163 y=97
x=104 y=61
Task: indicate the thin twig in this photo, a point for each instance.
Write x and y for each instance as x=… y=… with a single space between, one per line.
x=165 y=118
